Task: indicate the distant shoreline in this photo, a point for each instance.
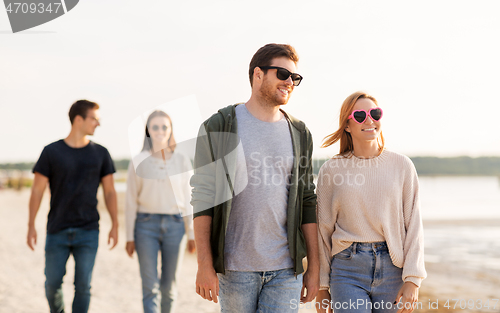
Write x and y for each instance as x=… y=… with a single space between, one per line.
x=461 y=222
x=426 y=166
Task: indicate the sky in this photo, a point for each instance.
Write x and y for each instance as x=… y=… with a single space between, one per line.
x=433 y=66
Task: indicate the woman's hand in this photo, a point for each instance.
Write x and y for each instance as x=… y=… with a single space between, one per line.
x=191 y=246
x=408 y=296
x=323 y=298
x=130 y=247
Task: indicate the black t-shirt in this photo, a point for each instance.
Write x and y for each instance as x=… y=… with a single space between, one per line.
x=74 y=176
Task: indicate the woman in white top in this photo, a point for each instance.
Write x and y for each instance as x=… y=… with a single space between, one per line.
x=370 y=229
x=158 y=213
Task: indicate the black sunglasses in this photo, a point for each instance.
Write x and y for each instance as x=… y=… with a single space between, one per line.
x=283 y=74
x=156 y=127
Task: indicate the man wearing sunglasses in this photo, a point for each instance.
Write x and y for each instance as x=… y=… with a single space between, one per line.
x=251 y=243
x=73 y=167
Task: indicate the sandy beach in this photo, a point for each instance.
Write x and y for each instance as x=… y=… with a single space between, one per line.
x=116 y=285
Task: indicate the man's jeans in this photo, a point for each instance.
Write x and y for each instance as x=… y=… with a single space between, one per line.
x=83 y=245
x=261 y=292
x=364 y=280
x=165 y=234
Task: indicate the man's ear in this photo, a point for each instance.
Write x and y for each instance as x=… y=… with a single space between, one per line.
x=78 y=119
x=257 y=74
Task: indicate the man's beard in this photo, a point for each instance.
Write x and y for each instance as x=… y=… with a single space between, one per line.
x=268 y=95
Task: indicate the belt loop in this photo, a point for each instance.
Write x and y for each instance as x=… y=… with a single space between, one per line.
x=354 y=247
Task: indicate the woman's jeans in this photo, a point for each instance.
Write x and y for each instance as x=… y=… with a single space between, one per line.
x=165 y=234
x=363 y=279
x=83 y=245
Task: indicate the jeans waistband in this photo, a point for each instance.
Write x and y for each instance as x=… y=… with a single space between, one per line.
x=369 y=246
x=158 y=214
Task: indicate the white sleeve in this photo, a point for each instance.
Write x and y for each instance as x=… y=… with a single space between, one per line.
x=134 y=185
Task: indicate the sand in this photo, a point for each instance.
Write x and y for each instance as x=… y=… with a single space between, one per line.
x=116 y=285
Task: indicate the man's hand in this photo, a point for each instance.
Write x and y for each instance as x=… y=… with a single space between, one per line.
x=323 y=298
x=130 y=248
x=191 y=246
x=37 y=189
x=207 y=283
x=408 y=296
x=108 y=189
x=311 y=284
x=311 y=277
x=31 y=239
x=113 y=235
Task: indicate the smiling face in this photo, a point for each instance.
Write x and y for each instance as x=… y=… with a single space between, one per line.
x=369 y=130
x=273 y=90
x=160 y=129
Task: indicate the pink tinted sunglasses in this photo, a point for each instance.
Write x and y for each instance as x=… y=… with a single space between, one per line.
x=360 y=116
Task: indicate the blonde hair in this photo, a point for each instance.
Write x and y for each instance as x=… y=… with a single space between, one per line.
x=341 y=134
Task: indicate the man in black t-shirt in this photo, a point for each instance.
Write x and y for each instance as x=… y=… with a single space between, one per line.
x=73 y=167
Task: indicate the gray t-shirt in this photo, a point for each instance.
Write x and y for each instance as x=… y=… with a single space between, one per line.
x=256 y=238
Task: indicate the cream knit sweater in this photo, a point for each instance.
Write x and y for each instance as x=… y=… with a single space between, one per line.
x=158 y=188
x=371 y=200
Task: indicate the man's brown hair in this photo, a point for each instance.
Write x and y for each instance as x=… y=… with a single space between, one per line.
x=267 y=53
x=81 y=107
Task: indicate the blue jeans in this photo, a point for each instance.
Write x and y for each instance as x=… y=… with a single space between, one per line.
x=363 y=279
x=83 y=245
x=153 y=234
x=262 y=292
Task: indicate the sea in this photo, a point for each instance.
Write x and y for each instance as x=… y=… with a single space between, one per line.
x=461 y=217
x=462 y=222
x=459 y=198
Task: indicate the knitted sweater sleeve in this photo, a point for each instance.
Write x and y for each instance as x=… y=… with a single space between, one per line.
x=326 y=226
x=413 y=246
x=134 y=186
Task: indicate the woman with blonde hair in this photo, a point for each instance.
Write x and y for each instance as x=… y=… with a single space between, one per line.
x=369 y=224
x=158 y=213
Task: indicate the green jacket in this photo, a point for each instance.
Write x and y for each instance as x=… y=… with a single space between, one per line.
x=214 y=172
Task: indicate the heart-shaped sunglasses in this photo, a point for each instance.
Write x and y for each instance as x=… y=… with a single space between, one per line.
x=360 y=116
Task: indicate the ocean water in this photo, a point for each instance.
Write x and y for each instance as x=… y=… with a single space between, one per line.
x=459 y=198
x=461 y=221
x=467 y=247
